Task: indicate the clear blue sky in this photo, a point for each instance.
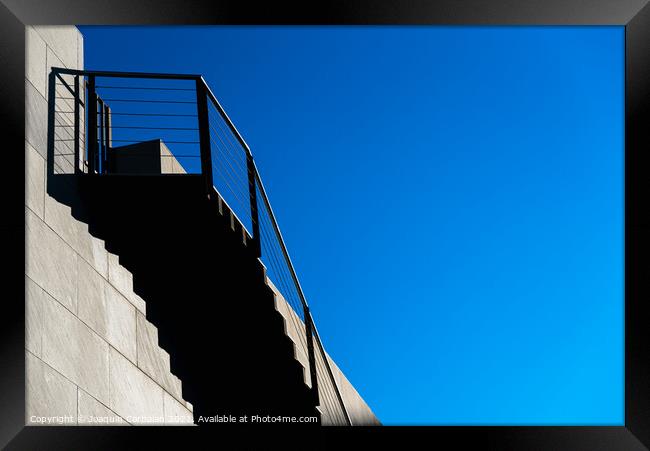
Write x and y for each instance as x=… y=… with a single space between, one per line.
x=452 y=198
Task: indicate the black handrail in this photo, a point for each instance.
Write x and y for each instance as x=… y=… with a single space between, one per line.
x=117 y=74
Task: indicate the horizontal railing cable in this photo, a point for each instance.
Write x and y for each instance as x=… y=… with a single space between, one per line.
x=153 y=128
x=144 y=88
x=148 y=101
x=229 y=139
x=149 y=139
x=63 y=127
x=58 y=166
x=283 y=280
x=241 y=179
x=237 y=179
x=62 y=83
x=125 y=155
x=228 y=146
x=230 y=156
x=67 y=101
x=150 y=114
x=65 y=143
x=241 y=203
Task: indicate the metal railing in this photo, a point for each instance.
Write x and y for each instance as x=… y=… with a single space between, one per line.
x=108 y=121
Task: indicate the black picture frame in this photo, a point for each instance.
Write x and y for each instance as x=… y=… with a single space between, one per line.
x=634 y=15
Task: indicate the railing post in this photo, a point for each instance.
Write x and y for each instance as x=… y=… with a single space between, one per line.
x=108 y=134
x=51 y=116
x=204 y=135
x=101 y=148
x=91 y=127
x=77 y=100
x=311 y=356
x=252 y=194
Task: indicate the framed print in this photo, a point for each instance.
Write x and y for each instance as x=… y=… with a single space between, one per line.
x=390 y=219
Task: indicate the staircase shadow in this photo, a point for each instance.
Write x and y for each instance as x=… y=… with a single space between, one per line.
x=204 y=288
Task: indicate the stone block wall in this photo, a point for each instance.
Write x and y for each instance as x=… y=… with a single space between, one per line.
x=91 y=355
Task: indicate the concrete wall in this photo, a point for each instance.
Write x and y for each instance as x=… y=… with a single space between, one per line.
x=90 y=352
x=360 y=413
x=168 y=163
